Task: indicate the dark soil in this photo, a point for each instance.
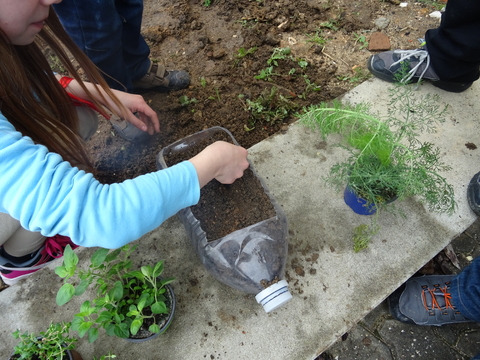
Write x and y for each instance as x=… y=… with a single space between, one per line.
x=227 y=48
x=223 y=209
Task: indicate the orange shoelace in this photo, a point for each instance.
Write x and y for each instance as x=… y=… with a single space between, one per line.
x=433 y=294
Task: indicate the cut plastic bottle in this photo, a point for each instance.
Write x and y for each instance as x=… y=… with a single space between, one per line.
x=251 y=259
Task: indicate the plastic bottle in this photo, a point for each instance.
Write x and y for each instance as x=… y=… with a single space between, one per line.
x=251 y=259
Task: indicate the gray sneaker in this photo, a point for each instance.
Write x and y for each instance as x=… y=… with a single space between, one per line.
x=160 y=79
x=425 y=300
x=404 y=66
x=473 y=194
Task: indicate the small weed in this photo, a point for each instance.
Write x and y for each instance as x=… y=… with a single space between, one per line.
x=278 y=54
x=362 y=40
x=207 y=3
x=359 y=75
x=266 y=74
x=362 y=235
x=302 y=63
x=330 y=24
x=217 y=97
x=248 y=24
x=310 y=87
x=317 y=38
x=185 y=100
x=269 y=107
x=203 y=82
x=241 y=53
x=436 y=4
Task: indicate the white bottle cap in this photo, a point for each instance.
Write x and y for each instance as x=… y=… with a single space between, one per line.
x=274 y=296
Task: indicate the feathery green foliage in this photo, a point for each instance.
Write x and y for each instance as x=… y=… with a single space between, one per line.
x=386 y=158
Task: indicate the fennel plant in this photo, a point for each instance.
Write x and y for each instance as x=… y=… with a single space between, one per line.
x=386 y=160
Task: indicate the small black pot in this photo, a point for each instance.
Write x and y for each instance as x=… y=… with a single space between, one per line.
x=171 y=296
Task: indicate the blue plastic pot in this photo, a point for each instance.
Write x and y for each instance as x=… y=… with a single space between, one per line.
x=357 y=204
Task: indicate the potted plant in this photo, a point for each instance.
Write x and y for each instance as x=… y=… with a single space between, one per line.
x=238 y=230
x=136 y=305
x=54 y=343
x=387 y=160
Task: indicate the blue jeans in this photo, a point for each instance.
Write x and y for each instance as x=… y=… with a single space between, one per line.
x=465 y=291
x=108 y=31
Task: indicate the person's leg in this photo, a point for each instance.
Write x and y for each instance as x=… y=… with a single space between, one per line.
x=450 y=58
x=135 y=49
x=100 y=30
x=465 y=290
x=15 y=239
x=454 y=46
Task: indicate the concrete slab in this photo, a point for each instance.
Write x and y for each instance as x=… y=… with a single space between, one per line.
x=333 y=287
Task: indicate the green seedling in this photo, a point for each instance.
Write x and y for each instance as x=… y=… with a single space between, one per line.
x=217 y=97
x=207 y=3
x=278 y=54
x=330 y=24
x=269 y=107
x=242 y=53
x=317 y=38
x=362 y=40
x=310 y=87
x=359 y=75
x=185 y=100
x=302 y=63
x=203 y=82
x=266 y=74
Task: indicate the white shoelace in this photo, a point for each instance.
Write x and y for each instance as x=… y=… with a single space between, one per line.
x=421 y=55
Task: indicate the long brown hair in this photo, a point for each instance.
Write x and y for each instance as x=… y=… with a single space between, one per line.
x=32 y=99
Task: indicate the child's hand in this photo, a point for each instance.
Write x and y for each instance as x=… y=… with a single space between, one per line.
x=222 y=161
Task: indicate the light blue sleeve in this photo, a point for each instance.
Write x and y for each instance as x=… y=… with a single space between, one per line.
x=48 y=195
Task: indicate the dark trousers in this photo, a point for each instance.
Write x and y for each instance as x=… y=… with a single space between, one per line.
x=454 y=47
x=108 y=31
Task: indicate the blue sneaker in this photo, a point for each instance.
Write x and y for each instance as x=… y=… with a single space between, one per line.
x=425 y=300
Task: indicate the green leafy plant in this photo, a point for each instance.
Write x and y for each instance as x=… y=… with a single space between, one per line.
x=362 y=40
x=126 y=299
x=217 y=95
x=242 y=53
x=269 y=107
x=317 y=38
x=359 y=75
x=104 y=357
x=185 y=100
x=310 y=86
x=51 y=344
x=266 y=74
x=331 y=24
x=278 y=54
x=207 y=3
x=386 y=157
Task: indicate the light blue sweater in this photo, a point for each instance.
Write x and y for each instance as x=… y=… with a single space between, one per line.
x=48 y=195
